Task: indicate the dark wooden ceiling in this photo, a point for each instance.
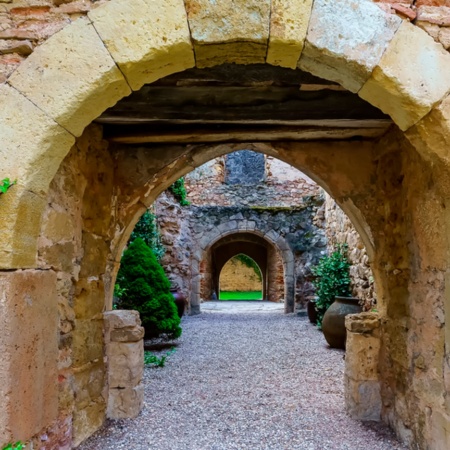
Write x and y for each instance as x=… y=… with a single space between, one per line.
x=232 y=103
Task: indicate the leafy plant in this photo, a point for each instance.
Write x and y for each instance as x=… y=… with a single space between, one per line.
x=147 y=230
x=17 y=446
x=178 y=189
x=5 y=184
x=118 y=291
x=147 y=290
x=158 y=361
x=332 y=279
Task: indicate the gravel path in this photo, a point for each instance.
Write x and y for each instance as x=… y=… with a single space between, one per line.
x=245 y=381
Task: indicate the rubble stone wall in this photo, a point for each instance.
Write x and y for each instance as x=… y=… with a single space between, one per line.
x=339 y=230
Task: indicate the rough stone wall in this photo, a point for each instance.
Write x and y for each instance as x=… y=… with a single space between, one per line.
x=182 y=228
x=74 y=243
x=283 y=186
x=339 y=230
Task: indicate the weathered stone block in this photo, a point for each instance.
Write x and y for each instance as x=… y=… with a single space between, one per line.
x=127 y=334
x=89 y=383
x=88 y=420
x=363 y=399
x=58 y=226
x=409 y=80
x=366 y=322
x=91 y=82
x=125 y=403
x=148 y=39
x=361 y=358
x=431 y=136
x=288 y=26
x=89 y=299
x=96 y=251
x=121 y=318
x=126 y=363
x=345 y=40
x=29 y=349
x=229 y=31
x=87 y=341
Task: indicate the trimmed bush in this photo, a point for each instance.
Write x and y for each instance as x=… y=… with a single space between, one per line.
x=145 y=288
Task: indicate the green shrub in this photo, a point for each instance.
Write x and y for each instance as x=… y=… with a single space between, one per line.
x=332 y=279
x=147 y=229
x=145 y=288
x=179 y=191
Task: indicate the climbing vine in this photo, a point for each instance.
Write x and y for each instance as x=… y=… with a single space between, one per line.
x=249 y=262
x=178 y=189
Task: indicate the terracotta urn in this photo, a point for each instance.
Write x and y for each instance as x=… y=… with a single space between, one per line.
x=333 y=323
x=180 y=301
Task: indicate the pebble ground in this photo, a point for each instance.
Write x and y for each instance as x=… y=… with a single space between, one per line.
x=246 y=380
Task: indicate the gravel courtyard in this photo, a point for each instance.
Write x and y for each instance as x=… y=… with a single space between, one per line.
x=242 y=379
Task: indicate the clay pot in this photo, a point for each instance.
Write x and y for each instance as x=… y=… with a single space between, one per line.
x=333 y=323
x=180 y=301
x=311 y=309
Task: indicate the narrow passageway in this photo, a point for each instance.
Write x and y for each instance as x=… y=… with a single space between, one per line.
x=243 y=379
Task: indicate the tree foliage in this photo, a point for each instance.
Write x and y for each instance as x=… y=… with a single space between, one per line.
x=332 y=279
x=147 y=230
x=145 y=288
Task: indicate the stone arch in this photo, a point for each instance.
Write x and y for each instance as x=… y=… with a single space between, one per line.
x=93 y=62
x=238 y=229
x=224 y=251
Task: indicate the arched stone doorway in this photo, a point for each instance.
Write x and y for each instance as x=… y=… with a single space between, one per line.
x=396 y=193
x=274 y=257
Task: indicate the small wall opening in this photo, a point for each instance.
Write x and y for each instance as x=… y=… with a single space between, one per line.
x=241 y=279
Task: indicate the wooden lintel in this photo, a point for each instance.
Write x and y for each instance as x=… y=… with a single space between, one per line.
x=270 y=134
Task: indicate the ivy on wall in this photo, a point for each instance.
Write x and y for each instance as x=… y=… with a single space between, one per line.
x=178 y=190
x=249 y=262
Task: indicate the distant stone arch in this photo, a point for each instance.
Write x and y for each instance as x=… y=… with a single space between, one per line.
x=243 y=230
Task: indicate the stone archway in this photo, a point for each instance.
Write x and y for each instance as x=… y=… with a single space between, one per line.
x=244 y=231
x=74 y=76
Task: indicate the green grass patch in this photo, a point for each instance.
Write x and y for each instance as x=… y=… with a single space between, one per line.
x=236 y=296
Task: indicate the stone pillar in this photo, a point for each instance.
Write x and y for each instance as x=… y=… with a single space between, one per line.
x=125 y=354
x=362 y=385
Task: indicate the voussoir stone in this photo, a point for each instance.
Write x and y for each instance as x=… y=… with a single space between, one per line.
x=288 y=26
x=345 y=40
x=71 y=77
x=431 y=135
x=229 y=31
x=409 y=79
x=148 y=39
x=33 y=146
